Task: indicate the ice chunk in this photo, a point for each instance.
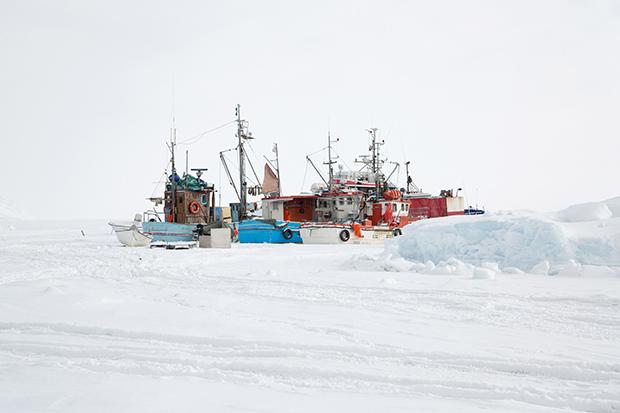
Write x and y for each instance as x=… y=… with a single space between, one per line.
x=614 y=206
x=514 y=240
x=589 y=211
x=481 y=273
x=518 y=241
x=541 y=268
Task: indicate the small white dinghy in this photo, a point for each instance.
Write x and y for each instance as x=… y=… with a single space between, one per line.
x=131 y=234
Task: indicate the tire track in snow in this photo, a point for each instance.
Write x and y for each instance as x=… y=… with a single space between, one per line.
x=386 y=370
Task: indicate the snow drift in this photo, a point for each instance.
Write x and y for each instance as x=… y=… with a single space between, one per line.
x=561 y=242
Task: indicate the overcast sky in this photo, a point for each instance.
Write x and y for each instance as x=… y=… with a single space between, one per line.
x=517 y=102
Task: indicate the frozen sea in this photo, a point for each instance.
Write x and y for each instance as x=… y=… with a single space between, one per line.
x=89 y=325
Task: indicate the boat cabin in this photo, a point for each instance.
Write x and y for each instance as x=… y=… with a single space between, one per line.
x=296 y=208
x=423 y=206
x=339 y=207
x=189 y=200
x=391 y=212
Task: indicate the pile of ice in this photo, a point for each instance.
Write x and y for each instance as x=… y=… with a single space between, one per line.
x=563 y=242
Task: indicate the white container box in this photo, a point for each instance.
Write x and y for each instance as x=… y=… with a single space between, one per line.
x=219 y=238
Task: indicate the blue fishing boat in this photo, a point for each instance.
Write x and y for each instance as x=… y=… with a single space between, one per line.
x=258 y=231
x=188 y=206
x=169 y=231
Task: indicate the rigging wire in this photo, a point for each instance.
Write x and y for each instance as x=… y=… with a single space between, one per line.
x=342 y=160
x=193 y=139
x=304 y=181
x=236 y=166
x=320 y=150
x=219 y=185
x=160 y=180
x=250 y=162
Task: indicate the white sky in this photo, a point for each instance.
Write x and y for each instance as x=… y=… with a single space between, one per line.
x=518 y=102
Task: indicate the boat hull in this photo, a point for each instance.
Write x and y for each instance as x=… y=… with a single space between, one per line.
x=327 y=235
x=344 y=234
x=130 y=235
x=375 y=236
x=268 y=232
x=169 y=231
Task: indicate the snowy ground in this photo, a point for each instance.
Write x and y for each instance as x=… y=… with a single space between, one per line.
x=87 y=325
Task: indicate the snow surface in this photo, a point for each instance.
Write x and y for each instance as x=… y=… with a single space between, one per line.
x=8 y=211
x=88 y=325
x=566 y=242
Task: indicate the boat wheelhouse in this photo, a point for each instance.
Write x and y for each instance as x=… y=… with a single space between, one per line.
x=295 y=208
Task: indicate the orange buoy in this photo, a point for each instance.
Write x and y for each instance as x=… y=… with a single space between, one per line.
x=357 y=229
x=193 y=207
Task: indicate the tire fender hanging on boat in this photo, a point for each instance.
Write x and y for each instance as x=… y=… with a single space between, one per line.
x=344 y=235
x=287 y=234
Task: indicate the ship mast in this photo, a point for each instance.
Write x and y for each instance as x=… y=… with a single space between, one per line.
x=330 y=162
x=173 y=176
x=243 y=184
x=408 y=177
x=275 y=149
x=375 y=161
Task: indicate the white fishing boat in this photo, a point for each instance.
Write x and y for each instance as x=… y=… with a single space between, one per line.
x=130 y=233
x=333 y=233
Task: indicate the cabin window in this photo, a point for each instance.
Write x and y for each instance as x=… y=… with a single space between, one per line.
x=394 y=208
x=341 y=201
x=349 y=201
x=276 y=207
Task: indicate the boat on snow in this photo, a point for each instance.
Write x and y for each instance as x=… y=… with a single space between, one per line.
x=355 y=207
x=188 y=206
x=250 y=229
x=131 y=233
x=271 y=231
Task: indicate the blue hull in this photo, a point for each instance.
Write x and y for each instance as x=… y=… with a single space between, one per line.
x=260 y=232
x=169 y=231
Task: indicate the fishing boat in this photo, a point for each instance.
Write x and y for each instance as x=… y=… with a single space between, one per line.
x=270 y=227
x=257 y=231
x=355 y=206
x=188 y=202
